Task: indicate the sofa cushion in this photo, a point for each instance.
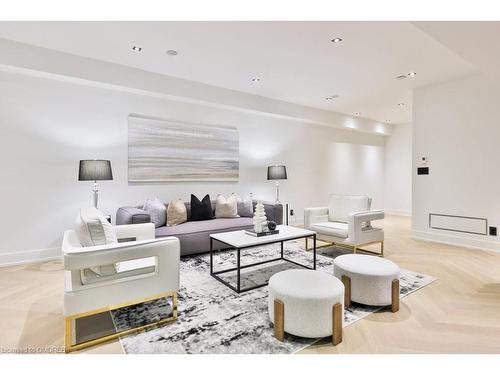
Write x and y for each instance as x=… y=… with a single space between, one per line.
x=210 y=226
x=331 y=228
x=201 y=210
x=341 y=206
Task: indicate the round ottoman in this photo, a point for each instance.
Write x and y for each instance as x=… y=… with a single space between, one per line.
x=368 y=280
x=306 y=303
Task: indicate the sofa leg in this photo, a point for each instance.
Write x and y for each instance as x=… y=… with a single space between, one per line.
x=279 y=320
x=346 y=280
x=395 y=296
x=382 y=248
x=337 y=319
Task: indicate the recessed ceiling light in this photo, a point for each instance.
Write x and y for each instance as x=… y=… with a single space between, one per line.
x=332 y=97
x=337 y=40
x=412 y=74
x=401 y=77
x=401 y=104
x=256 y=79
x=137 y=49
x=172 y=52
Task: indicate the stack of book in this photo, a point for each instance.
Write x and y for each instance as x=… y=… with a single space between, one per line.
x=260 y=234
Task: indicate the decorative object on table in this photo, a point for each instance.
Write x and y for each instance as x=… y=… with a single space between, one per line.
x=214 y=317
x=201 y=210
x=271 y=225
x=368 y=280
x=176 y=212
x=245 y=206
x=95 y=170
x=259 y=218
x=157 y=211
x=267 y=232
x=226 y=208
x=346 y=222
x=162 y=150
x=313 y=301
x=277 y=172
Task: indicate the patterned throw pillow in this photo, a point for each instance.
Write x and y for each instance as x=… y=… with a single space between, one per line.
x=226 y=208
x=176 y=212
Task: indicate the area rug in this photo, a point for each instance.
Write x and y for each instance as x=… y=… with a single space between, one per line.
x=214 y=319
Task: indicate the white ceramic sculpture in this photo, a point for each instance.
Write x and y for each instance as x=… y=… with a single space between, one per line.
x=259 y=218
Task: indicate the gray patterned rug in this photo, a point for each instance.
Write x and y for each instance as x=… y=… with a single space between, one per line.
x=214 y=319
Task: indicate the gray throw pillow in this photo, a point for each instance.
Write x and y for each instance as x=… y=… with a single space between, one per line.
x=157 y=210
x=245 y=207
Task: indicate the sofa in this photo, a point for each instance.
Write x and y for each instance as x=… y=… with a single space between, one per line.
x=194 y=236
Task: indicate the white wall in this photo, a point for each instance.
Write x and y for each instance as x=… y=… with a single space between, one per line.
x=456 y=126
x=47 y=126
x=398 y=170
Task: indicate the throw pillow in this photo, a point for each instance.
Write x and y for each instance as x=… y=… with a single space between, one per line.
x=201 y=210
x=176 y=213
x=226 y=208
x=157 y=211
x=245 y=206
x=92 y=229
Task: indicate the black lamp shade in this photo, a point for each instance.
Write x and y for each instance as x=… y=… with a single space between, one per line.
x=276 y=172
x=95 y=170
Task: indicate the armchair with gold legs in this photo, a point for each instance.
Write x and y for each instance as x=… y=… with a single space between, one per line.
x=143 y=269
x=346 y=222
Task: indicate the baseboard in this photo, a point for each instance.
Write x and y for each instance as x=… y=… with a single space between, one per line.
x=397 y=212
x=450 y=239
x=30 y=256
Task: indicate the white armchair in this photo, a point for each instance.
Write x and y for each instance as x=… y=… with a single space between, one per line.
x=346 y=222
x=144 y=269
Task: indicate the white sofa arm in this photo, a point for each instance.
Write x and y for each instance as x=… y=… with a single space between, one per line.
x=356 y=220
x=92 y=256
x=140 y=232
x=315 y=215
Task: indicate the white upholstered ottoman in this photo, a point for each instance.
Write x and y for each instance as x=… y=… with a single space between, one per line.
x=306 y=303
x=368 y=280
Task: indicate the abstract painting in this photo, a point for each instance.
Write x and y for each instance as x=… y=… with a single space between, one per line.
x=163 y=150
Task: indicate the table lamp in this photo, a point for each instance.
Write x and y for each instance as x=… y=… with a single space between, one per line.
x=276 y=172
x=95 y=170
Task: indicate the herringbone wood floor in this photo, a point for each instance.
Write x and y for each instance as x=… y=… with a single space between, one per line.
x=459 y=313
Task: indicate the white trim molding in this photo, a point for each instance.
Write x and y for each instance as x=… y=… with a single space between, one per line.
x=461 y=241
x=397 y=212
x=29 y=256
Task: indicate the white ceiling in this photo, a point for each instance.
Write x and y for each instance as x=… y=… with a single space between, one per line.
x=296 y=61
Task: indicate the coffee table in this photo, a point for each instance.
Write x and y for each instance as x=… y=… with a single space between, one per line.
x=239 y=241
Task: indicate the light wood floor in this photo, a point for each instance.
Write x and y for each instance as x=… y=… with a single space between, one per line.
x=458 y=313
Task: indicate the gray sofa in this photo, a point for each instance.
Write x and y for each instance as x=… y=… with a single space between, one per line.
x=194 y=236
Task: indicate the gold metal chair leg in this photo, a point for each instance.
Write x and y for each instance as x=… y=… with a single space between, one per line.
x=354 y=249
x=68 y=334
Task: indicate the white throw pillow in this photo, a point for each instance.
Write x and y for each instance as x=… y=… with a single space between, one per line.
x=157 y=211
x=245 y=206
x=92 y=229
x=176 y=212
x=341 y=206
x=226 y=208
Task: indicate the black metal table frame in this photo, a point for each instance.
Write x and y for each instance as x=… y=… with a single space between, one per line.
x=239 y=267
